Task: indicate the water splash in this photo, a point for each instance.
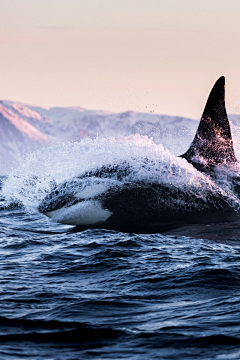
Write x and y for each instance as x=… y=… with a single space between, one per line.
x=42 y=170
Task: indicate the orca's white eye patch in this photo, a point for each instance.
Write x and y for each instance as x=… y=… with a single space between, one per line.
x=91 y=191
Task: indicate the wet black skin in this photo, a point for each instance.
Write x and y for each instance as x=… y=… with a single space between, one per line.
x=142 y=207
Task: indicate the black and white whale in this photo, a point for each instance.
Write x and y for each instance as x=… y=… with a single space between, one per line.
x=105 y=198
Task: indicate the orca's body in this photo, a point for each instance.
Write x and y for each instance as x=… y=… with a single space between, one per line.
x=146 y=207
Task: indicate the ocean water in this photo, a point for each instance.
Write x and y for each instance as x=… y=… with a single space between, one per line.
x=99 y=294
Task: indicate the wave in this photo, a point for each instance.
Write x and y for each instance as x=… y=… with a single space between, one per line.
x=80 y=335
x=128 y=159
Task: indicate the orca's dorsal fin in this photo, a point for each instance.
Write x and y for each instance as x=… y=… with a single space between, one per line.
x=213 y=144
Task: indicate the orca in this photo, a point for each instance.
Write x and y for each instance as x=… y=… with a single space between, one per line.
x=213 y=143
x=150 y=207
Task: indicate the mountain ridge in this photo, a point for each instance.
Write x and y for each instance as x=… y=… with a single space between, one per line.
x=24 y=128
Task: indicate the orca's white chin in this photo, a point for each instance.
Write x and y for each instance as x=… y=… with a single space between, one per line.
x=83 y=213
x=118 y=197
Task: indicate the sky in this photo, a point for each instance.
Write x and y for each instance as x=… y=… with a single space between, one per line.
x=155 y=56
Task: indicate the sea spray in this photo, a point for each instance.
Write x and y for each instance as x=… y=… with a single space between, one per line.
x=40 y=171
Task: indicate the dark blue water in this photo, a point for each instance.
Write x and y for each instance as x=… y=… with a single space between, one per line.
x=100 y=294
x=109 y=295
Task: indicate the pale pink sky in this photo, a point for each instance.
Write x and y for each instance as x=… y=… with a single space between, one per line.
x=159 y=56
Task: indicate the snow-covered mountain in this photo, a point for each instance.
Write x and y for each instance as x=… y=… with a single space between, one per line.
x=24 y=128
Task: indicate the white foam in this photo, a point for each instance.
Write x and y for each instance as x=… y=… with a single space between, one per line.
x=148 y=162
